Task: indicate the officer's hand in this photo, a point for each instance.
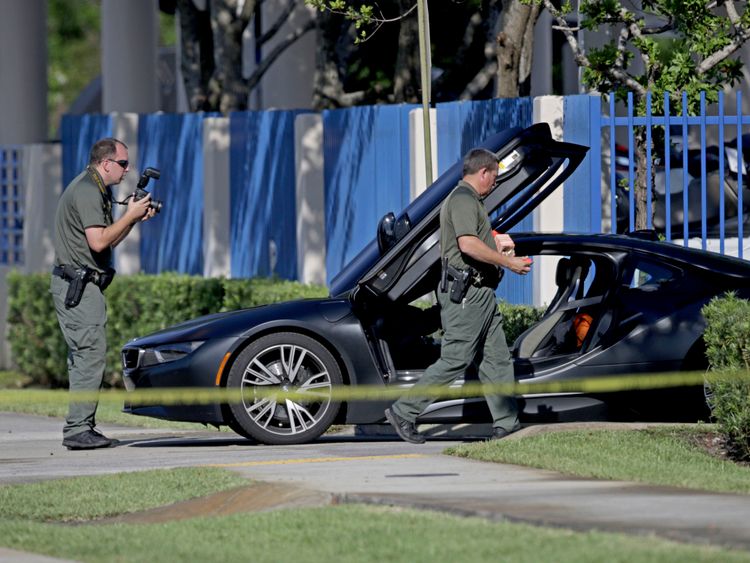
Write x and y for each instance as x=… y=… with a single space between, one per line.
x=151 y=212
x=139 y=210
x=519 y=264
x=503 y=242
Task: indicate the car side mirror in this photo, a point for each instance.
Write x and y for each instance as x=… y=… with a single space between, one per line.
x=392 y=230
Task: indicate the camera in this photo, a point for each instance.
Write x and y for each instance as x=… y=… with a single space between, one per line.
x=140 y=191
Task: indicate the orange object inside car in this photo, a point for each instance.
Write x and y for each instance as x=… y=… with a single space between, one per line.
x=581 y=325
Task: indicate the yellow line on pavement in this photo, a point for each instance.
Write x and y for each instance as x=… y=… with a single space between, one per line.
x=314 y=460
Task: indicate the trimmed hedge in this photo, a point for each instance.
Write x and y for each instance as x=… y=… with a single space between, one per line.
x=727 y=338
x=142 y=304
x=136 y=305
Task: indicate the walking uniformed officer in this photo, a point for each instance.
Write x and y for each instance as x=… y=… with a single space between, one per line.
x=83 y=239
x=470 y=316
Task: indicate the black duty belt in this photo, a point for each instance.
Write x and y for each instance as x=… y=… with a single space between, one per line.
x=69 y=273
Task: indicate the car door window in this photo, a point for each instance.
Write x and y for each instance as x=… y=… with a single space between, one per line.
x=643 y=293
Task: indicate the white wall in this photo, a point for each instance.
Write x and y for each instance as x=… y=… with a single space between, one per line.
x=128 y=253
x=417 y=168
x=216 y=197
x=310 y=193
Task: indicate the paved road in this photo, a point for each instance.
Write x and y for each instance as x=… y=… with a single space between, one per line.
x=383 y=470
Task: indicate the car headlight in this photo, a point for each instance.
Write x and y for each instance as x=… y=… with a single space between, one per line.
x=167 y=353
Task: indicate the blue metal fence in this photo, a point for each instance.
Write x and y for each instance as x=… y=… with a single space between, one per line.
x=701 y=192
x=11 y=206
x=262 y=194
x=366 y=171
x=173 y=143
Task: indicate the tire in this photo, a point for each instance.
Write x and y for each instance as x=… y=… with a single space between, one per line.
x=288 y=361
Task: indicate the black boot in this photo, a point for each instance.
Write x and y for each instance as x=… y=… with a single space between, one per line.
x=406 y=430
x=88 y=440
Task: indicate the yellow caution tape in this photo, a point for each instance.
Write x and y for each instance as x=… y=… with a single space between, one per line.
x=342 y=393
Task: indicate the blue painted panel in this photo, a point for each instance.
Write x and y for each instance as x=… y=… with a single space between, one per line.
x=78 y=134
x=463 y=125
x=366 y=170
x=582 y=202
x=262 y=194
x=173 y=240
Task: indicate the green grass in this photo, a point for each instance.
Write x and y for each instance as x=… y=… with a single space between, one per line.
x=88 y=498
x=13 y=380
x=660 y=456
x=37 y=518
x=344 y=533
x=106 y=412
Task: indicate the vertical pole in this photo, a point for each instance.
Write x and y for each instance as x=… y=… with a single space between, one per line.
x=129 y=56
x=23 y=71
x=425 y=64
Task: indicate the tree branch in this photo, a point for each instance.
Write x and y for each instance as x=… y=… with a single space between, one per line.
x=279 y=48
x=715 y=58
x=280 y=21
x=618 y=74
x=734 y=17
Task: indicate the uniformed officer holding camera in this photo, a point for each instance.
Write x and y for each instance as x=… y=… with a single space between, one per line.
x=84 y=237
x=472 y=257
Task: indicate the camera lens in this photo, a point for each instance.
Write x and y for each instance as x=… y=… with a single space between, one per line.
x=156 y=205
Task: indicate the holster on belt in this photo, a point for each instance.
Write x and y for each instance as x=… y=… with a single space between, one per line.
x=77 y=279
x=460 y=281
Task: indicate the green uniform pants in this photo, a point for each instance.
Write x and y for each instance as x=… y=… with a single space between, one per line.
x=473 y=330
x=84 y=329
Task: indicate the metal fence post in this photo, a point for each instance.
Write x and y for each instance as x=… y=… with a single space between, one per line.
x=582 y=194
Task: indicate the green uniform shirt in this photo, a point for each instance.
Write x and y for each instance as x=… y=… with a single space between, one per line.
x=83 y=204
x=463 y=213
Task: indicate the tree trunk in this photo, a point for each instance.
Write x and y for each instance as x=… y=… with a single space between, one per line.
x=406 y=79
x=227 y=89
x=334 y=42
x=640 y=185
x=197 y=60
x=515 y=44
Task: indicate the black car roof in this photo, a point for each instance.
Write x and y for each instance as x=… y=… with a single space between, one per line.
x=709 y=261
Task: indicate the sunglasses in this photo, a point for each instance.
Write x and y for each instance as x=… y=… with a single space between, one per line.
x=123 y=163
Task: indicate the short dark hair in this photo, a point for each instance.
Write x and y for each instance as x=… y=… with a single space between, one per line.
x=476 y=159
x=104 y=149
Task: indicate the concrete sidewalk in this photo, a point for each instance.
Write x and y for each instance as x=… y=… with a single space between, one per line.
x=383 y=470
x=534 y=496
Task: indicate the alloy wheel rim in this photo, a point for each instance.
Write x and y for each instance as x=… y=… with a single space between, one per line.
x=286 y=367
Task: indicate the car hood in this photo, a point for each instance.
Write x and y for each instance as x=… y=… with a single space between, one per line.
x=237 y=323
x=532 y=165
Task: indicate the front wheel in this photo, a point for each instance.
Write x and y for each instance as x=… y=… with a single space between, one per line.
x=288 y=362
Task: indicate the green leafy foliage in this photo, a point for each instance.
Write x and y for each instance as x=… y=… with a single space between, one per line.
x=697 y=29
x=36 y=342
x=136 y=305
x=244 y=293
x=517 y=318
x=727 y=333
x=727 y=340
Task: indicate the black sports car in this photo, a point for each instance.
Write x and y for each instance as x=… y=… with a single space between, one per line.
x=640 y=300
